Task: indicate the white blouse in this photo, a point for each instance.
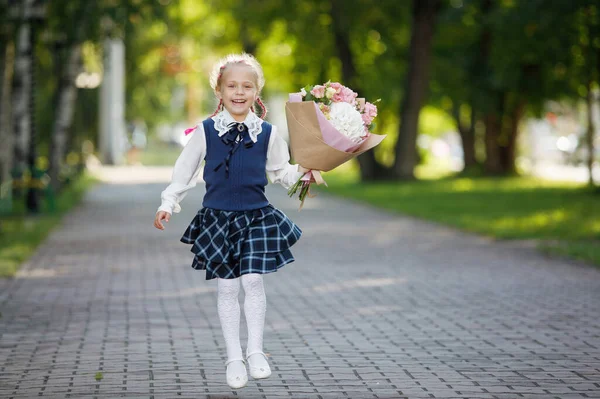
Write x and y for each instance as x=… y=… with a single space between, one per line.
x=188 y=165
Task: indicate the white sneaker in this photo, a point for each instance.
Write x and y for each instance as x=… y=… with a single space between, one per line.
x=259 y=365
x=237 y=376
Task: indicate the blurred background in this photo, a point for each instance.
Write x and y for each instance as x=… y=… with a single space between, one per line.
x=484 y=102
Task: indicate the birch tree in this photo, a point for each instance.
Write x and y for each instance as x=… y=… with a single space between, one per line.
x=69 y=65
x=22 y=86
x=6 y=71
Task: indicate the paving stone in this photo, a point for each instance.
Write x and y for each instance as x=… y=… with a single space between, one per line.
x=375 y=306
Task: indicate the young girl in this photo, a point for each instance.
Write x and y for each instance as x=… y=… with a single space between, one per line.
x=237 y=236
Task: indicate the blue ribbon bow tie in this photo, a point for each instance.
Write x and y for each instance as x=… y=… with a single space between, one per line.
x=237 y=134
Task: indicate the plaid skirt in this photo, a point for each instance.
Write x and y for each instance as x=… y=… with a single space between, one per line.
x=228 y=244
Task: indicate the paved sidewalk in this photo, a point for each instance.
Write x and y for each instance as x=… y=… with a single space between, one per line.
x=375 y=306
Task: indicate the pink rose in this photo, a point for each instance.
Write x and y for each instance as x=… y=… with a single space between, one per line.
x=337 y=96
x=348 y=95
x=337 y=86
x=318 y=91
x=370 y=112
x=370 y=109
x=343 y=94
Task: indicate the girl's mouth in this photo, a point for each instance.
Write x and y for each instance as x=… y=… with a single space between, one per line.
x=238 y=101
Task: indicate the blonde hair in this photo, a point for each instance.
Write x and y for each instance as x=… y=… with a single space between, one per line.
x=245 y=59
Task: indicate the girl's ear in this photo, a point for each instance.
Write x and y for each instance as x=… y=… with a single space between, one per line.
x=218 y=93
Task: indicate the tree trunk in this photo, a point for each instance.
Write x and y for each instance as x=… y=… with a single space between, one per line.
x=65 y=108
x=417 y=79
x=370 y=169
x=248 y=45
x=500 y=143
x=501 y=137
x=68 y=66
x=22 y=82
x=594 y=77
x=469 y=145
x=467 y=136
x=589 y=134
x=6 y=136
x=508 y=148
x=493 y=129
x=3 y=70
x=493 y=111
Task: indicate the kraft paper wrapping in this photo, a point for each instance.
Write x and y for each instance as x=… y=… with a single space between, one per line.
x=306 y=143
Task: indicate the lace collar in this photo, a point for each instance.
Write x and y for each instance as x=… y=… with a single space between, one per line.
x=252 y=121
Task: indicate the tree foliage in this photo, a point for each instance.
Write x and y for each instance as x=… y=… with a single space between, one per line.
x=493 y=61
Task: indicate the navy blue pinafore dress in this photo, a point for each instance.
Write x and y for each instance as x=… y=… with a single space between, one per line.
x=237 y=231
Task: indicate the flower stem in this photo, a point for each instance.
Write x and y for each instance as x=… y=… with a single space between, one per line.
x=304 y=190
x=295 y=187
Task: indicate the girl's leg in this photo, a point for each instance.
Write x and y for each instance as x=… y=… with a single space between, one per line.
x=229 y=313
x=255 y=306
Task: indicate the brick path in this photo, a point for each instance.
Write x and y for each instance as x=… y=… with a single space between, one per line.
x=376 y=306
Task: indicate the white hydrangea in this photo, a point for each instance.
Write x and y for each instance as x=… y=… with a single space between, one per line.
x=347 y=120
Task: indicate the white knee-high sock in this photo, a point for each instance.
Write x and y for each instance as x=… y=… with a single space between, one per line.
x=255 y=307
x=228 y=306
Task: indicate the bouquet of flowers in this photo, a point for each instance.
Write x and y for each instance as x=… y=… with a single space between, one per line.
x=328 y=125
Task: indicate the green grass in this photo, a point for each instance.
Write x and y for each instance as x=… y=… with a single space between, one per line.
x=20 y=234
x=563 y=217
x=583 y=250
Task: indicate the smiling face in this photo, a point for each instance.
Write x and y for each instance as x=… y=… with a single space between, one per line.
x=238 y=90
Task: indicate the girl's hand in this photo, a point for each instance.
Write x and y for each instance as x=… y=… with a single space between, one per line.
x=160 y=216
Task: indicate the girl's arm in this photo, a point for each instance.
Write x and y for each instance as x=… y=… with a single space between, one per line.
x=279 y=169
x=185 y=172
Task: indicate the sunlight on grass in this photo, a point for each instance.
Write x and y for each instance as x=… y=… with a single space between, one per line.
x=463 y=185
x=535 y=221
x=595 y=227
x=16 y=251
x=8 y=267
x=504 y=208
x=435 y=169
